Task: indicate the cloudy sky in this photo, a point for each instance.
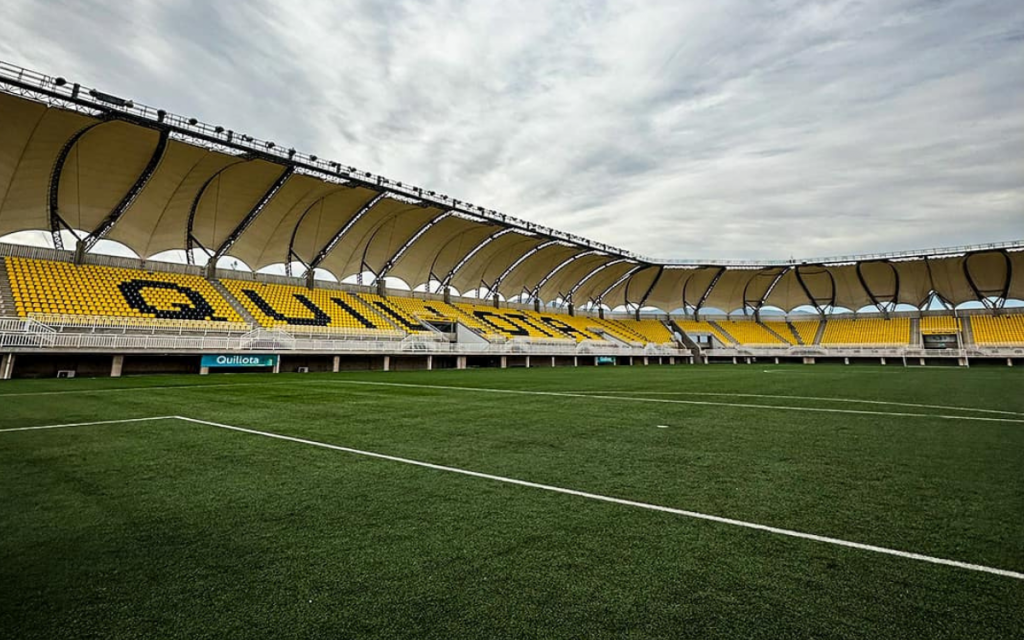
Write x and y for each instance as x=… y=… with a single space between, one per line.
x=677 y=129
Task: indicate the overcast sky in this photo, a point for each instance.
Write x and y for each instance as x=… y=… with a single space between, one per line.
x=731 y=130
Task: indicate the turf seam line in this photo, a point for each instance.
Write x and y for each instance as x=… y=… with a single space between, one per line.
x=621 y=501
x=739 y=405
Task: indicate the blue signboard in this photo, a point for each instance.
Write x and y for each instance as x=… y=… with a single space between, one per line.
x=238 y=361
x=605 y=360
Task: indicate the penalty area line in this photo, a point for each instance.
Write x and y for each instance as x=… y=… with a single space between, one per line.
x=571 y=492
x=621 y=501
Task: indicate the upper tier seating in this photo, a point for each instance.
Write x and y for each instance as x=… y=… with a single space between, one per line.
x=868 y=331
x=941 y=325
x=749 y=332
x=520 y=323
x=314 y=310
x=782 y=328
x=65 y=293
x=998 y=330
x=806 y=329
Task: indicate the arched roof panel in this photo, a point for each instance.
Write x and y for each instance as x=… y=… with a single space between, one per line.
x=30 y=162
x=323 y=218
x=347 y=257
x=440 y=247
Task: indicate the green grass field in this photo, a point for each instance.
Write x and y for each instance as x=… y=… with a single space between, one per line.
x=174 y=529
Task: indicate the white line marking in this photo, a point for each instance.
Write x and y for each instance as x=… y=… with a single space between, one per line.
x=740 y=405
x=784 y=397
x=87 y=424
x=663 y=426
x=629 y=503
x=572 y=492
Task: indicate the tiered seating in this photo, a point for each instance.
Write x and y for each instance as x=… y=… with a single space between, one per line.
x=868 y=331
x=394 y=311
x=998 y=330
x=749 y=332
x=807 y=330
x=302 y=309
x=61 y=292
x=940 y=325
x=702 y=326
x=621 y=329
x=782 y=328
x=517 y=323
x=652 y=330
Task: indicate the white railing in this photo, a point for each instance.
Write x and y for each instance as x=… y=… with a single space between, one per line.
x=62 y=321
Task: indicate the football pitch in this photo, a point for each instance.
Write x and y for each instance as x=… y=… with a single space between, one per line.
x=619 y=502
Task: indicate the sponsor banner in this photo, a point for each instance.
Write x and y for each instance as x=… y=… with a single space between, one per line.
x=236 y=360
x=605 y=360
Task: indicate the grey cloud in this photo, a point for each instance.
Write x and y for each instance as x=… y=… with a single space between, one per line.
x=734 y=129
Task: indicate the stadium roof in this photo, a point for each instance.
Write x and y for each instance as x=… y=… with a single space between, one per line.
x=78 y=159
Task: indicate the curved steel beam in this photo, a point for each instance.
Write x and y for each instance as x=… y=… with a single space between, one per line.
x=523 y=258
x=56 y=221
x=623 y=278
x=761 y=299
x=132 y=194
x=254 y=213
x=883 y=307
x=486 y=241
x=190 y=240
x=590 y=275
x=333 y=242
x=543 y=281
x=654 y=283
x=983 y=296
x=393 y=260
x=807 y=290
x=295 y=230
x=707 y=292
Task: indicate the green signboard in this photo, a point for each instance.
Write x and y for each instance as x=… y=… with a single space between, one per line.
x=237 y=360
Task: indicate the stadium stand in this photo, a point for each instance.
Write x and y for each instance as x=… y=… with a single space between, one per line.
x=748 y=332
x=939 y=325
x=704 y=327
x=64 y=293
x=302 y=309
x=805 y=330
x=998 y=330
x=868 y=331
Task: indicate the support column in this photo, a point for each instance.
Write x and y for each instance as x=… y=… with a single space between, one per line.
x=883 y=361
x=7 y=366
x=600 y=312
x=846 y=360
x=115 y=366
x=527 y=362
x=387 y=363
x=277 y=365
x=430 y=363
x=336 y=367
x=808 y=360
x=575 y=361
x=552 y=362
x=504 y=362
x=631 y=361
x=734 y=360
x=646 y=361
x=777 y=360
x=204 y=371
x=671 y=359
x=460 y=362
x=921 y=360
x=1009 y=361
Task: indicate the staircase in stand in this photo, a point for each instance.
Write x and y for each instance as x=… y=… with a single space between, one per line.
x=796 y=334
x=821 y=331
x=235 y=304
x=783 y=339
x=725 y=333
